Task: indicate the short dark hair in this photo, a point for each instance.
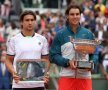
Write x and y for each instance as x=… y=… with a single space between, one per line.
x=75 y=6
x=27 y=12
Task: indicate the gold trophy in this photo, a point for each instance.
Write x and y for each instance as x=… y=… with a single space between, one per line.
x=84 y=47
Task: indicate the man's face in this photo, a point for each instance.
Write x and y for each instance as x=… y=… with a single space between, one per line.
x=74 y=16
x=28 y=23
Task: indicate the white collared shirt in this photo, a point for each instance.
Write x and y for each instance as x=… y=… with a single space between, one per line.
x=27 y=48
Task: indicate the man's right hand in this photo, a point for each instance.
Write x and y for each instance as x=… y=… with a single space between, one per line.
x=16 y=77
x=73 y=63
x=106 y=76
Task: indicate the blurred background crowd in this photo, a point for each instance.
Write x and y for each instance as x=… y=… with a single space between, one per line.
x=51 y=19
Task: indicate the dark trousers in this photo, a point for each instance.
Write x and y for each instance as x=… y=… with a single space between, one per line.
x=38 y=88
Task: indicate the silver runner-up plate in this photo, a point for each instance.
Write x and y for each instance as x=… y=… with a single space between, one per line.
x=31 y=69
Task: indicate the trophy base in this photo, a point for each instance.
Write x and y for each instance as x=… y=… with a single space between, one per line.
x=85 y=65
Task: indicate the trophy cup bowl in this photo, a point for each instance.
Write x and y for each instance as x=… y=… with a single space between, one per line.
x=32 y=69
x=84 y=47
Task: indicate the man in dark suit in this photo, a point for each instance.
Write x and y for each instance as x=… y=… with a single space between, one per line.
x=5 y=76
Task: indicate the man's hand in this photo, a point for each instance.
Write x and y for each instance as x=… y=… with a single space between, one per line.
x=16 y=77
x=73 y=64
x=106 y=76
x=46 y=78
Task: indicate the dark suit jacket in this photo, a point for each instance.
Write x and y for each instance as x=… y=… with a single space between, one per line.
x=5 y=80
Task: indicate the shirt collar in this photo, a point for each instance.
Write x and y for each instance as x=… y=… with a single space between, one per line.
x=70 y=29
x=28 y=36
